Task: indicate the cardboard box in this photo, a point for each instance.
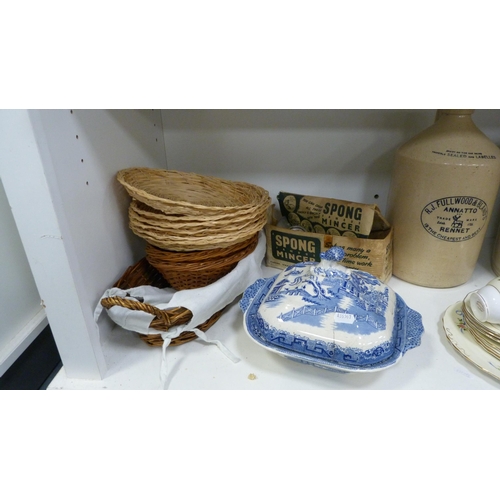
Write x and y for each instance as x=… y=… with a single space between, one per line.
x=372 y=254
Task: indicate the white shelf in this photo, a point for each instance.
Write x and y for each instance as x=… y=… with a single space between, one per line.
x=435 y=364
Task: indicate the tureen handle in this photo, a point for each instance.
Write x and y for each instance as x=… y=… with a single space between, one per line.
x=332 y=256
x=414 y=329
x=334 y=253
x=250 y=293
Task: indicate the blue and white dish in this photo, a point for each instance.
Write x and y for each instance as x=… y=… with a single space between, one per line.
x=330 y=316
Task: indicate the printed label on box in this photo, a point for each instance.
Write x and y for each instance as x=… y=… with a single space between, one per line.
x=327 y=216
x=295 y=248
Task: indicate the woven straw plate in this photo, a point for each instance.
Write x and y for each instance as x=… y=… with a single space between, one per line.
x=185 y=193
x=149 y=216
x=192 y=229
x=196 y=241
x=157 y=215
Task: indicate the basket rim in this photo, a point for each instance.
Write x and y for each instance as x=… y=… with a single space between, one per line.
x=160 y=260
x=171 y=206
x=160 y=239
x=201 y=255
x=153 y=216
x=194 y=230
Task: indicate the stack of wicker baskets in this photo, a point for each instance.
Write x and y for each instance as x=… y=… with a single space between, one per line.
x=197 y=228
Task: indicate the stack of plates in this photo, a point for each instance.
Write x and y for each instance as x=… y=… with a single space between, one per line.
x=487 y=335
x=188 y=233
x=478 y=342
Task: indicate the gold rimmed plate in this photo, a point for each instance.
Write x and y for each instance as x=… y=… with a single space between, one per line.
x=459 y=336
x=476 y=328
x=490 y=329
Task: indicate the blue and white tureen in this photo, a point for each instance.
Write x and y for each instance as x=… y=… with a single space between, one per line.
x=330 y=316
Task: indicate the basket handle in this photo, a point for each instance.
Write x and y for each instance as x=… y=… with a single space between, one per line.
x=164 y=315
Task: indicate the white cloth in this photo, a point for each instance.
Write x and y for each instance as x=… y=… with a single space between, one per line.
x=202 y=302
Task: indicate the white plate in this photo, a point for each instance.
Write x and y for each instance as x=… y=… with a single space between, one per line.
x=489 y=329
x=462 y=340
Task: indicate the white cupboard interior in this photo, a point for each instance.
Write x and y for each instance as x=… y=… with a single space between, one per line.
x=71 y=215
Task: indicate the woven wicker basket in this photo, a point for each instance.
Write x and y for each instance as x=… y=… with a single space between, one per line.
x=143 y=273
x=204 y=255
x=185 y=193
x=187 y=270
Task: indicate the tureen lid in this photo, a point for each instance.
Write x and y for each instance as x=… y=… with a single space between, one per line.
x=335 y=312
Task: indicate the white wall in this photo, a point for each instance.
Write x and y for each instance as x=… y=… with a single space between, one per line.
x=345 y=154
x=21 y=314
x=84 y=150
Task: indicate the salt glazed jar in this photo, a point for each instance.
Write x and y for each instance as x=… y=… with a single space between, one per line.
x=495 y=256
x=444 y=184
x=332 y=317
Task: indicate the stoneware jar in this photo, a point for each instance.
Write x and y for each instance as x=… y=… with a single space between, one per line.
x=495 y=256
x=444 y=184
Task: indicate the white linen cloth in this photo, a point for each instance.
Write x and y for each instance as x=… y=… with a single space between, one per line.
x=202 y=302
